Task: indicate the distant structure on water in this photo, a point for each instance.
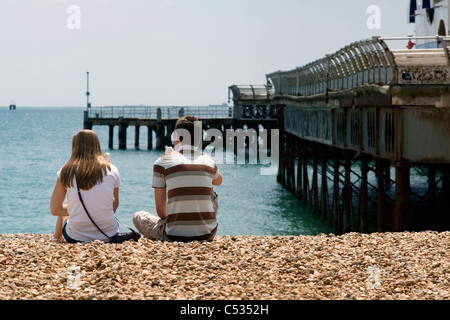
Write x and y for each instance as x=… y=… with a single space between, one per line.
x=12 y=106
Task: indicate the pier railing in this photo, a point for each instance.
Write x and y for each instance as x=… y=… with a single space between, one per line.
x=367 y=62
x=163 y=113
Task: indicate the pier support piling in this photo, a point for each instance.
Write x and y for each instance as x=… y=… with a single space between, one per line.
x=159 y=136
x=299 y=193
x=324 y=190
x=291 y=159
x=336 y=212
x=347 y=196
x=363 y=208
x=315 y=186
x=136 y=136
x=111 y=137
x=87 y=123
x=306 y=201
x=401 y=217
x=431 y=181
x=122 y=134
x=446 y=184
x=380 y=170
x=150 y=138
x=282 y=163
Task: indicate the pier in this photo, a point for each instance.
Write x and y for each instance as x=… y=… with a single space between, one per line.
x=365 y=136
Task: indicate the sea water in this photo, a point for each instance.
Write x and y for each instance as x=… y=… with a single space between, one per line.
x=35 y=142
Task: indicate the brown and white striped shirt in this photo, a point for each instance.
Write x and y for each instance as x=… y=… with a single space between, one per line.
x=187 y=174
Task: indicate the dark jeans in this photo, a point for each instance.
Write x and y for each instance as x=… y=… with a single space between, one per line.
x=68 y=239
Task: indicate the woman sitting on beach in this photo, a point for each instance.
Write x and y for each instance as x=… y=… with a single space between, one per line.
x=99 y=183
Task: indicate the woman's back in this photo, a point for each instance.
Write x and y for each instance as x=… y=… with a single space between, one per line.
x=99 y=202
x=99 y=182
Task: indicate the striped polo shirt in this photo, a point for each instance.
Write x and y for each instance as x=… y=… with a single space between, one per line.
x=187 y=174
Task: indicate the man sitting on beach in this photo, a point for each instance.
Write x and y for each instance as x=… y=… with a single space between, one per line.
x=183 y=181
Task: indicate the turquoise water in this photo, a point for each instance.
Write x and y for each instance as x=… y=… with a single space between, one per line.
x=36 y=142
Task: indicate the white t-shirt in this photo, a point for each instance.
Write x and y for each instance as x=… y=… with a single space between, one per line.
x=99 y=202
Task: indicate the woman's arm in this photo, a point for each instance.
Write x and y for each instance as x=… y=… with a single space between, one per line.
x=57 y=205
x=116 y=199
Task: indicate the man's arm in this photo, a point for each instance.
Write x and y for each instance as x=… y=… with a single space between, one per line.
x=218 y=181
x=161 y=202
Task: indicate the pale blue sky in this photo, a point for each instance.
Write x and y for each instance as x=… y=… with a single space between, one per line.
x=171 y=52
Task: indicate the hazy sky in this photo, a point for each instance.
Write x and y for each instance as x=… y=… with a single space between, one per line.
x=170 y=52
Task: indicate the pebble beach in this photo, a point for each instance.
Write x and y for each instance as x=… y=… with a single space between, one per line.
x=379 y=266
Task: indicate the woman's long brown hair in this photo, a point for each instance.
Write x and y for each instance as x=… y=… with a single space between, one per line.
x=87 y=162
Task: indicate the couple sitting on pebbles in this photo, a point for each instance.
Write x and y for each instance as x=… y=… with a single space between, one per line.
x=183 y=182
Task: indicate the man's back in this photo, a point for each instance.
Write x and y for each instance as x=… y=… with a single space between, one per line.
x=187 y=174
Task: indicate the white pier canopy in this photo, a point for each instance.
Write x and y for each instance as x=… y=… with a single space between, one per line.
x=252 y=92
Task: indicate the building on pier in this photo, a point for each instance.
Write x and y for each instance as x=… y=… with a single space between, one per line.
x=253 y=106
x=431 y=18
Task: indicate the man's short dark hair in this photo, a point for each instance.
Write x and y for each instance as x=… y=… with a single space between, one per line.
x=190 y=124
